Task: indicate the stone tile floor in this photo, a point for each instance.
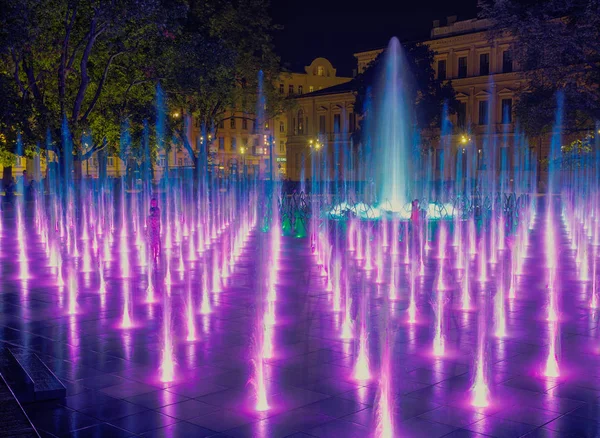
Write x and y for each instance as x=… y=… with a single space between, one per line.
x=112 y=374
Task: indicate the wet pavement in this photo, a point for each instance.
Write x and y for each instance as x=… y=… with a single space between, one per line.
x=112 y=374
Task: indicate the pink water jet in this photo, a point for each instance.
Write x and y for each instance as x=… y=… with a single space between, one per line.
x=362 y=370
x=260 y=386
x=205 y=307
x=552 y=369
x=337 y=286
x=412 y=301
x=190 y=314
x=479 y=390
x=438 y=340
x=167 y=364
x=347 y=318
x=385 y=422
x=483 y=276
x=465 y=293
x=72 y=292
x=126 y=321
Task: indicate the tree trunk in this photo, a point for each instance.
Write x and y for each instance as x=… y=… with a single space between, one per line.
x=6 y=175
x=77 y=168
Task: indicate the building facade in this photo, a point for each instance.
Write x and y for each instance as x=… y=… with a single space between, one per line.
x=243 y=147
x=239 y=146
x=483 y=75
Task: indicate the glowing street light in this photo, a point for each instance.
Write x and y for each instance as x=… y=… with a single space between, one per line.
x=314 y=144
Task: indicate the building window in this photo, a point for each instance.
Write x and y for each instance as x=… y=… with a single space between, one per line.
x=179 y=162
x=110 y=161
x=254 y=126
x=281 y=127
x=461 y=114
x=351 y=122
x=300 y=122
x=484 y=64
x=222 y=124
x=299 y=89
x=439 y=159
x=337 y=122
x=311 y=89
x=507 y=62
x=290 y=89
x=244 y=123
x=281 y=147
x=232 y=123
x=442 y=69
x=506 y=110
x=480 y=160
x=320 y=70
x=233 y=144
x=483 y=112
x=221 y=143
x=322 y=129
x=281 y=89
x=462 y=67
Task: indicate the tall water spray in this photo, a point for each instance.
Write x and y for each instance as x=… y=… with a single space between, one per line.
x=390 y=130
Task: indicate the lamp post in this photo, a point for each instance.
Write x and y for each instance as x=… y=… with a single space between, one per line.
x=243 y=152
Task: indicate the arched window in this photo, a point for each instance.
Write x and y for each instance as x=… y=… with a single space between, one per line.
x=300 y=121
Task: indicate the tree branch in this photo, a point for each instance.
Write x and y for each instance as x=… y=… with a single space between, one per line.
x=186 y=144
x=16 y=74
x=85 y=79
x=62 y=75
x=95 y=148
x=100 y=86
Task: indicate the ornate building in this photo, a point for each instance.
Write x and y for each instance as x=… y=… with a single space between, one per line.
x=240 y=146
x=244 y=147
x=481 y=71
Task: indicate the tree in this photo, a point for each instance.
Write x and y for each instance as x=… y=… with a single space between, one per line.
x=224 y=45
x=83 y=65
x=428 y=94
x=557 y=45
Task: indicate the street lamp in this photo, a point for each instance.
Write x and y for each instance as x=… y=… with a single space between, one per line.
x=243 y=152
x=464 y=139
x=315 y=144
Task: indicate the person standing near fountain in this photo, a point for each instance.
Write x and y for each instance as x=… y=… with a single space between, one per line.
x=415 y=214
x=154 y=228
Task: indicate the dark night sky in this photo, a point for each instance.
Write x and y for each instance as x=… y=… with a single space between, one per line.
x=335 y=29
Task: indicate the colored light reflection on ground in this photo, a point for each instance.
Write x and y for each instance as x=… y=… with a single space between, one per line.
x=159 y=307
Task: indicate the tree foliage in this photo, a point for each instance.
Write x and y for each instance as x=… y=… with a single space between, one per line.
x=223 y=45
x=428 y=94
x=85 y=63
x=94 y=65
x=557 y=45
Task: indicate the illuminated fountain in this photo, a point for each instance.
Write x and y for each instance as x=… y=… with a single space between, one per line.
x=167 y=366
x=126 y=321
x=479 y=390
x=362 y=370
x=499 y=306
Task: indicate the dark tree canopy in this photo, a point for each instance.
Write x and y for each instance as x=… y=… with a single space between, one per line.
x=428 y=94
x=557 y=45
x=95 y=65
x=214 y=68
x=86 y=63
